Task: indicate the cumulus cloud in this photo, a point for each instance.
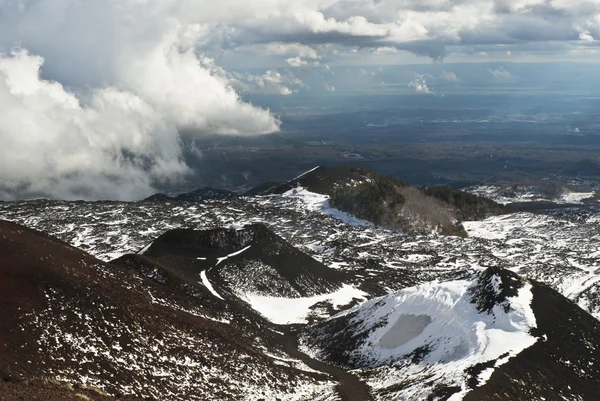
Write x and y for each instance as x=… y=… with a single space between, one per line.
x=299 y=62
x=586 y=36
x=501 y=73
x=291 y=49
x=296 y=62
x=271 y=83
x=419 y=84
x=108 y=124
x=115 y=146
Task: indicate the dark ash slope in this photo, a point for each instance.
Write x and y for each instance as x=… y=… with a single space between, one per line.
x=70 y=316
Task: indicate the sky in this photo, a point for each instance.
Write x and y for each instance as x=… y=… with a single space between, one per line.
x=98 y=98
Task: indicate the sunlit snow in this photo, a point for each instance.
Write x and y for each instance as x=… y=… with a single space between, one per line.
x=296 y=310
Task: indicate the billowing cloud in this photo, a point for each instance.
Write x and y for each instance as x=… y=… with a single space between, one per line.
x=586 y=36
x=299 y=62
x=108 y=123
x=291 y=49
x=419 y=84
x=115 y=146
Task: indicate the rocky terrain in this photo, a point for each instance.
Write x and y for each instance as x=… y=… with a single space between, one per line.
x=282 y=296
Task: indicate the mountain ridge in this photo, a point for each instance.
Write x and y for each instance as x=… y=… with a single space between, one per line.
x=214 y=295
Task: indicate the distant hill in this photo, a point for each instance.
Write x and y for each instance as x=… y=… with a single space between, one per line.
x=468 y=206
x=198 y=195
x=326 y=180
x=261 y=189
x=249 y=260
x=391 y=203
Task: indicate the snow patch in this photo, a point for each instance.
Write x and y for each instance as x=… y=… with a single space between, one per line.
x=219 y=260
x=145 y=249
x=208 y=285
x=320 y=203
x=527 y=194
x=576 y=197
x=296 y=310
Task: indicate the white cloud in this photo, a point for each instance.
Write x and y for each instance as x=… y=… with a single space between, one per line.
x=419 y=84
x=191 y=90
x=385 y=50
x=299 y=62
x=501 y=73
x=291 y=49
x=271 y=82
x=136 y=80
x=114 y=147
x=296 y=62
x=586 y=36
x=448 y=77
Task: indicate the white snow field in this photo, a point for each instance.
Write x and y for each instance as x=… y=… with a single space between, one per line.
x=439 y=320
x=320 y=203
x=296 y=310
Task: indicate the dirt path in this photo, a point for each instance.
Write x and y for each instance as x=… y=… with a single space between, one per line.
x=350 y=387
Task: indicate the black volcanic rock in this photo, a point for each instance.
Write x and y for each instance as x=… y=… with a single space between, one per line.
x=468 y=206
x=252 y=259
x=158 y=198
x=205 y=194
x=563 y=365
x=325 y=180
x=493 y=287
x=198 y=195
x=52 y=390
x=262 y=189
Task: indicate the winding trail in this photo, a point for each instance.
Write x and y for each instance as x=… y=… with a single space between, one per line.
x=350 y=387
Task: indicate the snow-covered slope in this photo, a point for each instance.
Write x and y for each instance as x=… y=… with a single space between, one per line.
x=238 y=281
x=561 y=250
x=436 y=334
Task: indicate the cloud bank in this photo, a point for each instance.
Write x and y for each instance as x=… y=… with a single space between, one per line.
x=113 y=132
